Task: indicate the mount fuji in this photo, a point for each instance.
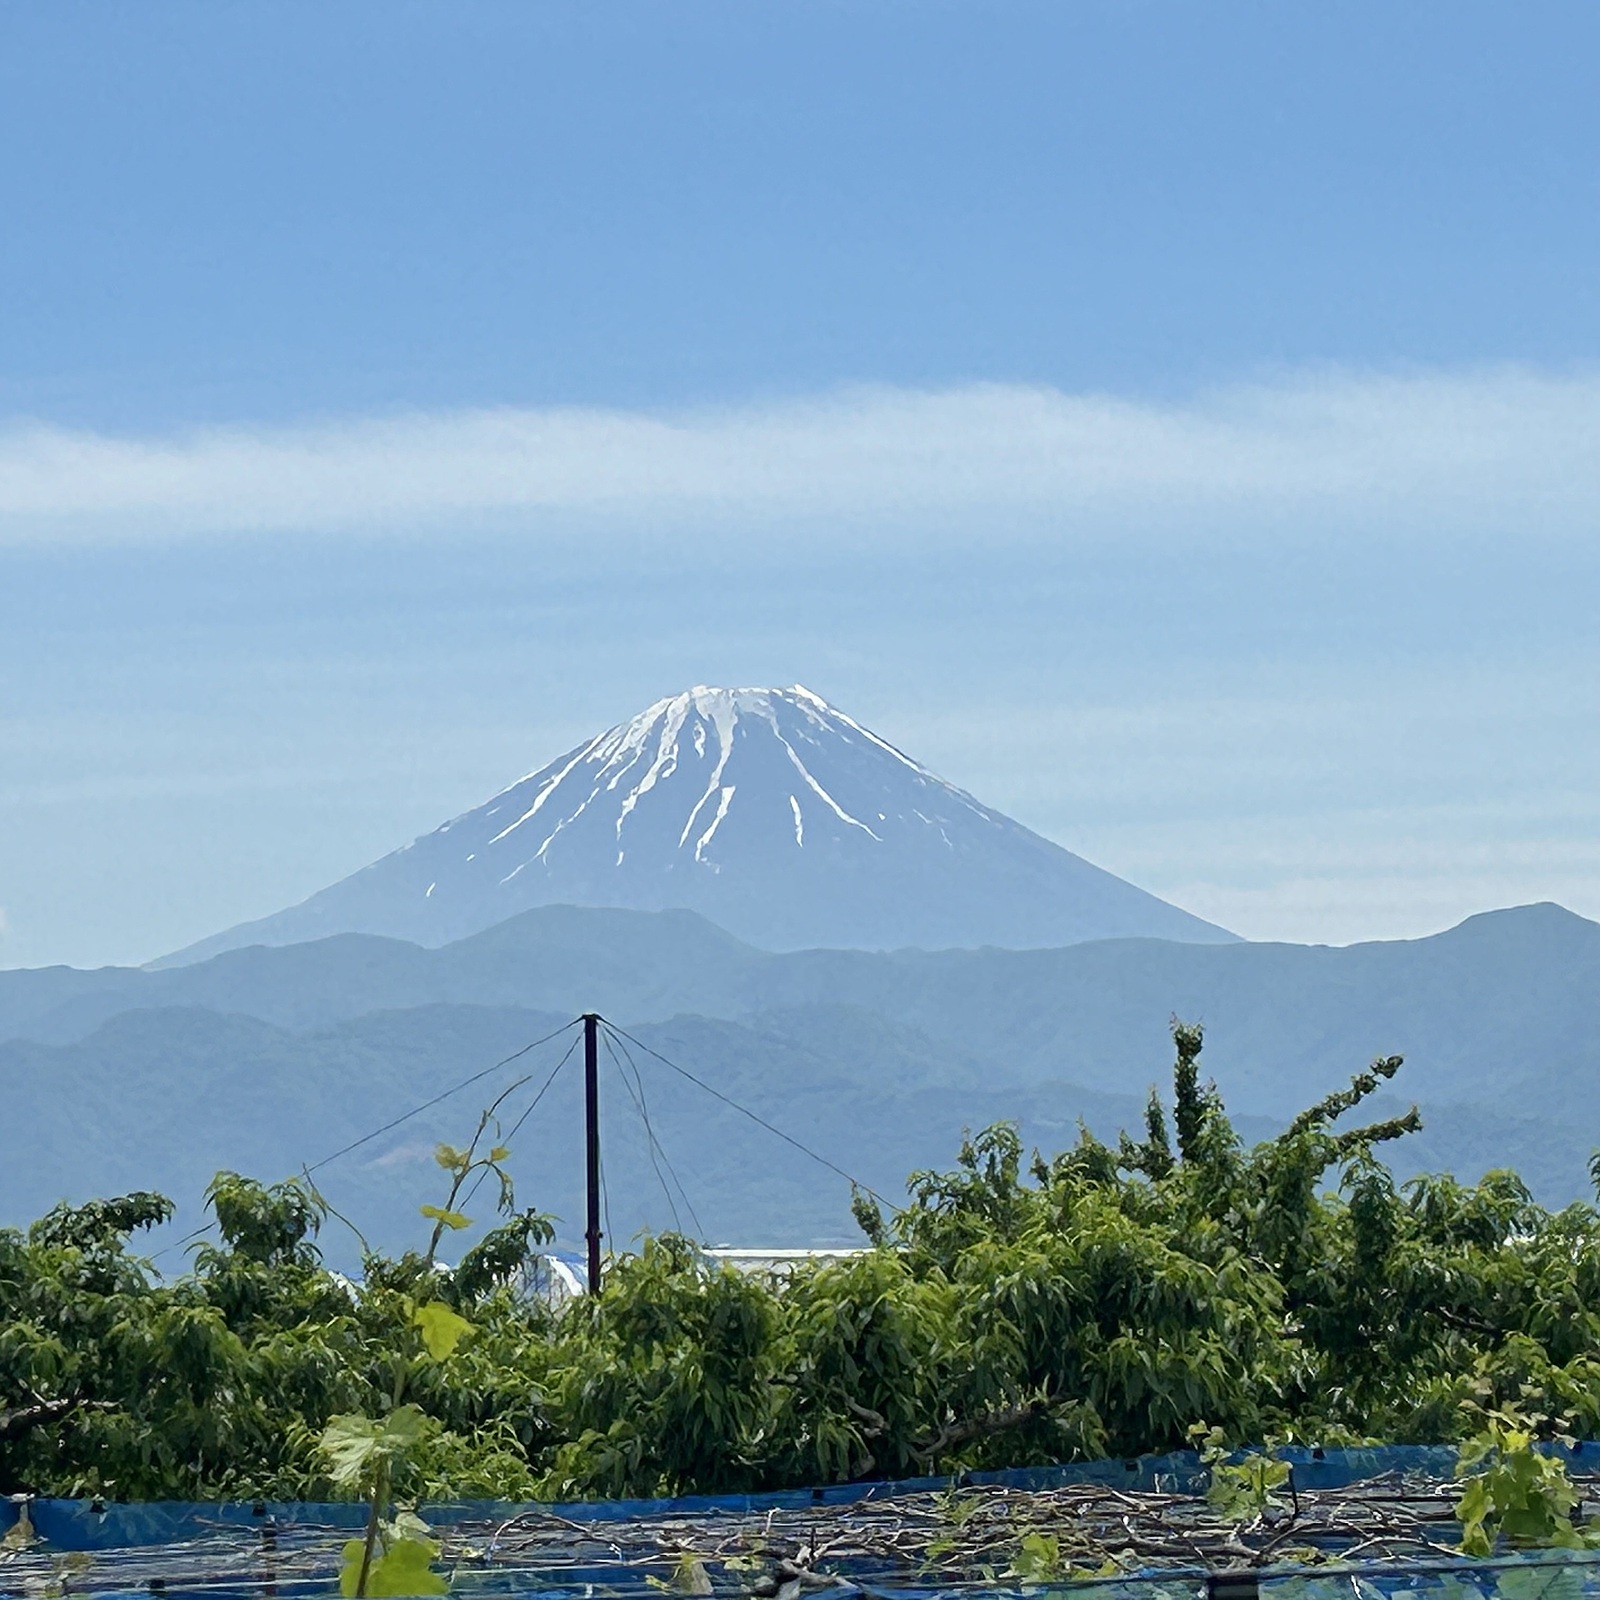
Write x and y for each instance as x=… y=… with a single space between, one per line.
x=768 y=811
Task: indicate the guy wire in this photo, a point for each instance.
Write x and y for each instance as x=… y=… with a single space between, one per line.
x=727 y=1100
x=366 y=1138
x=637 y=1091
x=652 y=1144
x=527 y=1112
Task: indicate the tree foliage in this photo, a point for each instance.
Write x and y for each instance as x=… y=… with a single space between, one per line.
x=1020 y=1309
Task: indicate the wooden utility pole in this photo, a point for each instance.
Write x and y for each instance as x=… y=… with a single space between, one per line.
x=591 y=1128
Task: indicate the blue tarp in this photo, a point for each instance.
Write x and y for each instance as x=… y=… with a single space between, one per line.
x=119 y=1532
x=92 y=1525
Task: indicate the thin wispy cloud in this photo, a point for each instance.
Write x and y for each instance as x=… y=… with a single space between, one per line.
x=1501 y=450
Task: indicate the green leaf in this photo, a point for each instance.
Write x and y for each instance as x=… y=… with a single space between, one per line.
x=405 y=1568
x=442 y=1330
x=1038 y=1558
x=349 y=1443
x=355 y=1445
x=500 y=1152
x=350 y=1571
x=451 y=1219
x=403 y=1428
x=451 y=1159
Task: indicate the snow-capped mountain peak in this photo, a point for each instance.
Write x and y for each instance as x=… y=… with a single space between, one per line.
x=771 y=812
x=714 y=735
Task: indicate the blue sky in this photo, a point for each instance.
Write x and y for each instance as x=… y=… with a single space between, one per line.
x=1175 y=424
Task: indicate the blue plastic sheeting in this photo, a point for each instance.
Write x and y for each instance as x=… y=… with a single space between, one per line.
x=1182 y=1472
x=87 y=1525
x=1567 y=1575
x=517 y=1587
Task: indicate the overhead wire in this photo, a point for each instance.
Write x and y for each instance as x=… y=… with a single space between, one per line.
x=544 y=1089
x=178 y=1244
x=649 y=1136
x=528 y=1111
x=636 y=1093
x=466 y=1083
x=355 y=1144
x=755 y=1117
x=672 y=1172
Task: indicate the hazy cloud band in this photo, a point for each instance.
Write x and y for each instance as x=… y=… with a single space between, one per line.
x=1503 y=450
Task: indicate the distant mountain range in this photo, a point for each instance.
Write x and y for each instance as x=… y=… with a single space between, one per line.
x=266 y=1058
x=768 y=811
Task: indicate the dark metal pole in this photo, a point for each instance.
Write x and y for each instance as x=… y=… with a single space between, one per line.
x=591 y=1127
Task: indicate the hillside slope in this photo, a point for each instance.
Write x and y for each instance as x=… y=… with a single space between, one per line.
x=267 y=1058
x=1494 y=1010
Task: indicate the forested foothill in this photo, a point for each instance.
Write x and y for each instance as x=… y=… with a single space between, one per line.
x=1112 y=1299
